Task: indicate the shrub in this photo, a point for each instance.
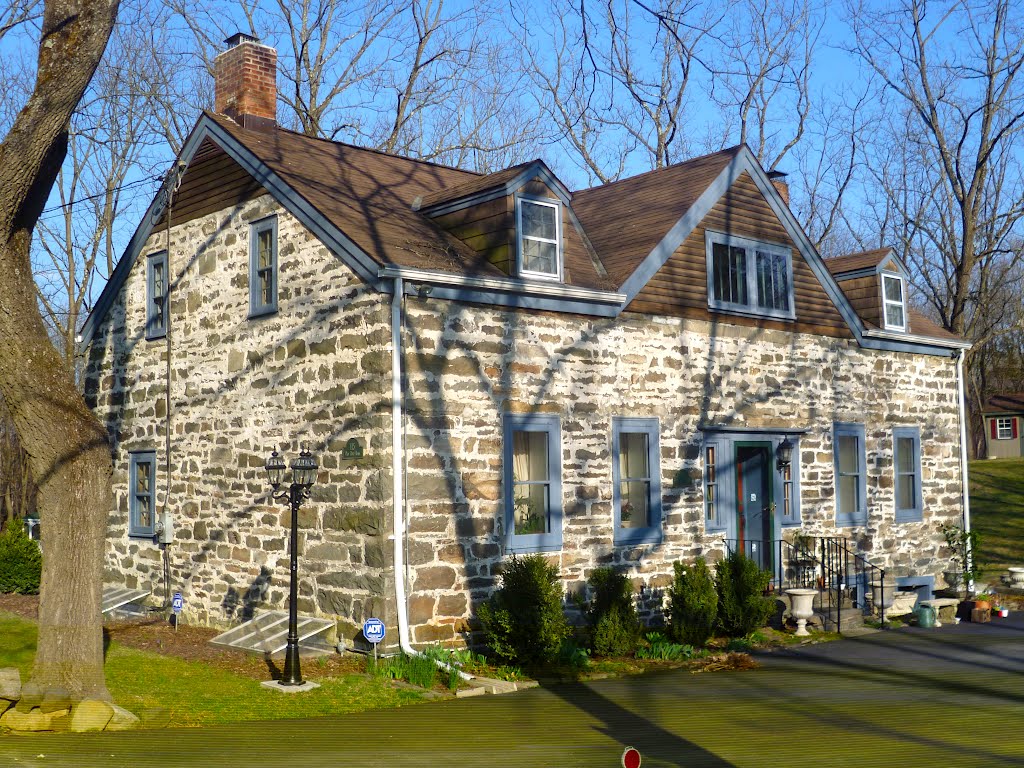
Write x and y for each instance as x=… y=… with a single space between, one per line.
x=523 y=622
x=693 y=604
x=614 y=624
x=418 y=670
x=21 y=562
x=660 y=648
x=742 y=605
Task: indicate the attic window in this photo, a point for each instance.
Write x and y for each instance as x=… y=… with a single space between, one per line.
x=539 y=237
x=749 y=277
x=893 y=303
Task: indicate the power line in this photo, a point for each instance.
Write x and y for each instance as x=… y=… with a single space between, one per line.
x=122 y=187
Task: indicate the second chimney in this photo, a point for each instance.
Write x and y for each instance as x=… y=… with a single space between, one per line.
x=778 y=180
x=245 y=82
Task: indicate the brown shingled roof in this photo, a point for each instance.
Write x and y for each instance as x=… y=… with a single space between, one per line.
x=474 y=186
x=1006 y=403
x=853 y=262
x=626 y=219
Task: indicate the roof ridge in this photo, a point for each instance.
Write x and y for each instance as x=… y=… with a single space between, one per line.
x=333 y=142
x=728 y=150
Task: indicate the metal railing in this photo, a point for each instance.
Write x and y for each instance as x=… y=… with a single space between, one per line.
x=823 y=563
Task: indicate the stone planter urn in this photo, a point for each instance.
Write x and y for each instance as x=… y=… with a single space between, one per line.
x=1016 y=577
x=801 y=608
x=883 y=595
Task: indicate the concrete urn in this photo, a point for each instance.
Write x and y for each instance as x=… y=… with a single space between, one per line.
x=1016 y=577
x=883 y=594
x=801 y=608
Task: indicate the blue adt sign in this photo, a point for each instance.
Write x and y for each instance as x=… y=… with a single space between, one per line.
x=373 y=630
x=178 y=602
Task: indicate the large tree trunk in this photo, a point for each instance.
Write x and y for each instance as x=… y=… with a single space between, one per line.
x=66 y=446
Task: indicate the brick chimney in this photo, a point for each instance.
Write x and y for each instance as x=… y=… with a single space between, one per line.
x=245 y=82
x=778 y=180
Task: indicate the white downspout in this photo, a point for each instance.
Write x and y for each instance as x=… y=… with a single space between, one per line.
x=965 y=492
x=397 y=466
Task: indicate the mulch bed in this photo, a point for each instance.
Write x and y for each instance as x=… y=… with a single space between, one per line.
x=192 y=644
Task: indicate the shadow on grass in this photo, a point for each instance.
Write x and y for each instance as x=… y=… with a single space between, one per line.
x=633 y=730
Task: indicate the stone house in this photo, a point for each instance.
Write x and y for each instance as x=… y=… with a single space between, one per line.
x=495 y=364
x=1003 y=418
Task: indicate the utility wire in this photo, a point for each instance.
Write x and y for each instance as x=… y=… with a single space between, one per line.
x=126 y=185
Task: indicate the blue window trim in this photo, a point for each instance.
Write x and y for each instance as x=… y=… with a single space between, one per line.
x=534 y=542
x=137 y=458
x=860 y=515
x=716 y=521
x=792 y=520
x=751 y=308
x=154 y=331
x=913 y=514
x=257 y=307
x=652 y=534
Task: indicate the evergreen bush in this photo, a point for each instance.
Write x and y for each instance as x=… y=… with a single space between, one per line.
x=615 y=627
x=21 y=562
x=742 y=605
x=693 y=604
x=523 y=622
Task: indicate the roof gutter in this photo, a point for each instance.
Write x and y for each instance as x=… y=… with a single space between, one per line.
x=964 y=480
x=914 y=339
x=547 y=290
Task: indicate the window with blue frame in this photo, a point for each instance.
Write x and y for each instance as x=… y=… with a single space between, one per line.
x=851 y=474
x=156 y=295
x=533 y=483
x=907 y=467
x=142 y=494
x=636 y=480
x=263 y=267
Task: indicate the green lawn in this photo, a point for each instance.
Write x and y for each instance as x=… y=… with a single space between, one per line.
x=997 y=513
x=165 y=690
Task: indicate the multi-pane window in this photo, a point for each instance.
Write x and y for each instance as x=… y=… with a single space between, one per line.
x=748 y=276
x=850 y=473
x=636 y=480
x=538 y=237
x=533 y=483
x=156 y=295
x=893 y=302
x=142 y=494
x=907 y=462
x=787 y=491
x=1004 y=429
x=712 y=519
x=263 y=267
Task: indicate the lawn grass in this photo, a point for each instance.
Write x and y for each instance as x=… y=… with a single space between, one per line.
x=169 y=691
x=997 y=513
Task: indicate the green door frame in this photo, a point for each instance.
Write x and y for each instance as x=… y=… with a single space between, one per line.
x=767 y=480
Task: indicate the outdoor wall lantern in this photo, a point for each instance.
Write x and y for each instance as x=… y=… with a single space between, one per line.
x=304 y=470
x=784 y=453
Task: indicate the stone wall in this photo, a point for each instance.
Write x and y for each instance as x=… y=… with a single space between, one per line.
x=317 y=372
x=467 y=365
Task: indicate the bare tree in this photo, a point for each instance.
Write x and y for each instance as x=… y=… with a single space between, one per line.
x=950 y=167
x=66 y=445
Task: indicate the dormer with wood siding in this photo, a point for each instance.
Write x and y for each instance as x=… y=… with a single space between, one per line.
x=875 y=282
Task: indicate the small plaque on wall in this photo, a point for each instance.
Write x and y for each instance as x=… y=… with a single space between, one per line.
x=353 y=449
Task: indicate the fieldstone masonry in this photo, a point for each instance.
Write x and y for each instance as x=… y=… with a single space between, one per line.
x=319 y=371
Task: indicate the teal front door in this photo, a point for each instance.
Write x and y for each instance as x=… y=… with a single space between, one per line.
x=754 y=507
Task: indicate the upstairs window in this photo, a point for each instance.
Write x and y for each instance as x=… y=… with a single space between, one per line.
x=539 y=238
x=893 y=303
x=749 y=277
x=263 y=267
x=156 y=296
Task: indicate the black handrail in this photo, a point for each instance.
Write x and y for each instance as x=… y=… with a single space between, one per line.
x=836 y=559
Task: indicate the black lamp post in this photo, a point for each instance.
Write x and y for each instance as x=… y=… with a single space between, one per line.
x=303 y=476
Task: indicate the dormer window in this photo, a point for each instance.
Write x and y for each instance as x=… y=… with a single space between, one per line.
x=893 y=303
x=539 y=250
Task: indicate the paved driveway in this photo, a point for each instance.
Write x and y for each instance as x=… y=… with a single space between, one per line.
x=952 y=696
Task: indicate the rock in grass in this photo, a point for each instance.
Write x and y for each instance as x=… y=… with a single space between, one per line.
x=5 y=705
x=122 y=720
x=29 y=721
x=31 y=697
x=10 y=684
x=90 y=715
x=54 y=699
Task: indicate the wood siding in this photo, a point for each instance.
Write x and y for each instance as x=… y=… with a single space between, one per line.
x=212 y=182
x=680 y=287
x=865 y=295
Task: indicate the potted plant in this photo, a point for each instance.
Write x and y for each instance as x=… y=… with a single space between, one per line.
x=984 y=601
x=964 y=547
